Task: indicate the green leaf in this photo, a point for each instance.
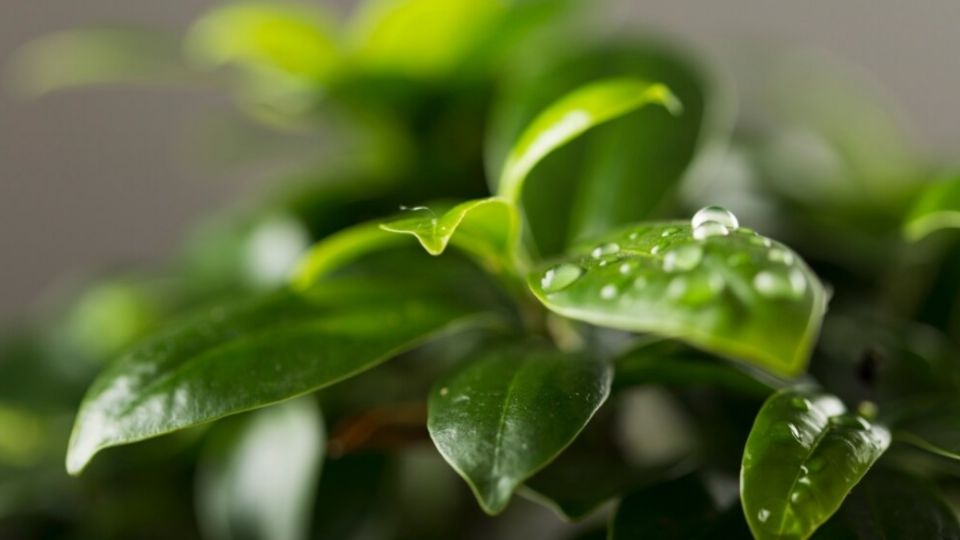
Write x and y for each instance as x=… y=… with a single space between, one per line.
x=894 y=506
x=338 y=250
x=937 y=207
x=235 y=358
x=670 y=363
x=96 y=56
x=930 y=423
x=510 y=412
x=262 y=485
x=726 y=290
x=592 y=185
x=803 y=455
x=487 y=228
x=678 y=509
x=571 y=116
x=288 y=40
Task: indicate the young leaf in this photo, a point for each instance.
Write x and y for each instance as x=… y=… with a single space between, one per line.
x=340 y=249
x=675 y=510
x=803 y=455
x=572 y=115
x=487 y=228
x=511 y=412
x=262 y=486
x=723 y=289
x=938 y=207
x=254 y=353
x=894 y=506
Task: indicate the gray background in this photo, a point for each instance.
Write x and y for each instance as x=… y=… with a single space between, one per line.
x=109 y=175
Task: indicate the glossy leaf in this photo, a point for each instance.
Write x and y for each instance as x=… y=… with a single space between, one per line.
x=571 y=116
x=262 y=486
x=937 y=207
x=254 y=353
x=488 y=228
x=679 y=509
x=96 y=56
x=624 y=170
x=804 y=454
x=510 y=412
x=893 y=506
x=728 y=291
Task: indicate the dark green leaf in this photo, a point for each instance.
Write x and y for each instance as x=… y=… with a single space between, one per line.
x=938 y=207
x=893 y=506
x=729 y=291
x=803 y=456
x=678 y=509
x=510 y=412
x=262 y=486
x=244 y=356
x=931 y=423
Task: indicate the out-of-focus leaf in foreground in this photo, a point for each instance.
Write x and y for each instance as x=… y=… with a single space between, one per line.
x=510 y=412
x=708 y=282
x=239 y=357
x=262 y=486
x=804 y=454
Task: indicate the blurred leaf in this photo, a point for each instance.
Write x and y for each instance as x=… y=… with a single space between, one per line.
x=670 y=363
x=510 y=412
x=96 y=56
x=421 y=38
x=803 y=456
x=257 y=352
x=572 y=115
x=593 y=184
x=286 y=39
x=487 y=228
x=893 y=506
x=937 y=207
x=339 y=249
x=262 y=487
x=930 y=423
x=730 y=292
x=678 y=509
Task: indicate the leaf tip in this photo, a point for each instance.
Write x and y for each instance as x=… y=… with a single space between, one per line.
x=662 y=93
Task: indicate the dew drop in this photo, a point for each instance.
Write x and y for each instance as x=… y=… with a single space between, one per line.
x=608 y=292
x=655 y=249
x=625 y=268
x=708 y=229
x=763 y=515
x=683 y=258
x=715 y=214
x=669 y=231
x=695 y=290
x=799 y=495
x=800 y=404
x=850 y=421
x=560 y=277
x=776 y=284
x=782 y=256
x=640 y=282
x=605 y=249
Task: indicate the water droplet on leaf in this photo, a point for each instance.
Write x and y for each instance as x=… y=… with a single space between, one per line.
x=715 y=214
x=683 y=258
x=605 y=249
x=608 y=292
x=779 y=285
x=560 y=277
x=708 y=229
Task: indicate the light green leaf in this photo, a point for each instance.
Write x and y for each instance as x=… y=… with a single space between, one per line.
x=281 y=39
x=338 y=250
x=487 y=228
x=421 y=38
x=571 y=116
x=239 y=357
x=262 y=485
x=96 y=56
x=803 y=456
x=937 y=207
x=510 y=412
x=726 y=290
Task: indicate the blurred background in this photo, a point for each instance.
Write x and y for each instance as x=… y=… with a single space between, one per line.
x=117 y=174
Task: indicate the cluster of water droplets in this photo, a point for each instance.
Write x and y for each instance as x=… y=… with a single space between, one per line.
x=778 y=279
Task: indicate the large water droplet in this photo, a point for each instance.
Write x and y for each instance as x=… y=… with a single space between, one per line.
x=708 y=229
x=777 y=284
x=683 y=258
x=605 y=249
x=560 y=277
x=715 y=214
